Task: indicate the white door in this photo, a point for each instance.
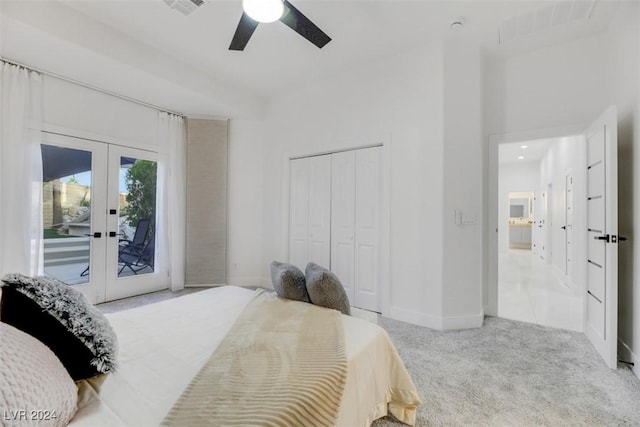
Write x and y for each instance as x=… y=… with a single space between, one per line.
x=548 y=224
x=310 y=211
x=367 y=227
x=568 y=228
x=601 y=300
x=299 y=212
x=131 y=224
x=542 y=225
x=320 y=210
x=343 y=205
x=536 y=227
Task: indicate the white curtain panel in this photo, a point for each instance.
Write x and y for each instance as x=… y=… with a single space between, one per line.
x=172 y=164
x=20 y=171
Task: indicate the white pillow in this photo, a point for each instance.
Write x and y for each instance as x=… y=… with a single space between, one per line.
x=36 y=389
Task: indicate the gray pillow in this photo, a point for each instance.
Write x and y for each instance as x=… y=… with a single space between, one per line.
x=325 y=289
x=288 y=281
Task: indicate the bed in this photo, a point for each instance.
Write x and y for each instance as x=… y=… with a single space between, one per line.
x=164 y=345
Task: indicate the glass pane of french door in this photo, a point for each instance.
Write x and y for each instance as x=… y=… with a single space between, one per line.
x=136 y=222
x=74 y=171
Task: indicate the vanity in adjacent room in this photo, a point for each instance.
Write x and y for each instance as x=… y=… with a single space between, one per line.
x=520 y=222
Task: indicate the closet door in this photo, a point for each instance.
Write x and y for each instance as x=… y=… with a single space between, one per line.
x=368 y=187
x=320 y=210
x=299 y=212
x=310 y=211
x=343 y=196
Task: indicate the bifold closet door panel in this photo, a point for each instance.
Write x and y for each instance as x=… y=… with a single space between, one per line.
x=299 y=212
x=310 y=211
x=320 y=210
x=343 y=198
x=368 y=186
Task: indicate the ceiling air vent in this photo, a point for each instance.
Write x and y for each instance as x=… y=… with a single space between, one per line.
x=551 y=14
x=184 y=6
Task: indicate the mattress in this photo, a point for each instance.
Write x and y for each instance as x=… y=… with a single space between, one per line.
x=163 y=346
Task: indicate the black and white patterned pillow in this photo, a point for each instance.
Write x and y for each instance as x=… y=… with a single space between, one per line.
x=61 y=318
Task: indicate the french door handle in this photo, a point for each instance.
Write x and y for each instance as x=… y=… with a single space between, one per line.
x=605 y=238
x=97 y=235
x=564 y=227
x=114 y=234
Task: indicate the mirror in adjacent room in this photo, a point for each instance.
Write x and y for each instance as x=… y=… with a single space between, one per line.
x=520 y=219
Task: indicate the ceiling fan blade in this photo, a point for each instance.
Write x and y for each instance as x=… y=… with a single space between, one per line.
x=294 y=19
x=245 y=29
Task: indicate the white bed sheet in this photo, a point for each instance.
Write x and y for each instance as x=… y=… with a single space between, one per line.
x=163 y=345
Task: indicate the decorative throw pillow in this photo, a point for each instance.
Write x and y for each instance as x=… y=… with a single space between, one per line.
x=61 y=318
x=36 y=388
x=288 y=281
x=325 y=289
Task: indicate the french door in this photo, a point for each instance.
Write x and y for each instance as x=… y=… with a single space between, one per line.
x=99 y=218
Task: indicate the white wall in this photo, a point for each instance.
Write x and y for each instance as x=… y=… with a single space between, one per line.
x=79 y=111
x=624 y=77
x=397 y=101
x=555 y=86
x=513 y=177
x=463 y=190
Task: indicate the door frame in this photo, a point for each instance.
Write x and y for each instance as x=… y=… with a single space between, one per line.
x=384 y=294
x=490 y=235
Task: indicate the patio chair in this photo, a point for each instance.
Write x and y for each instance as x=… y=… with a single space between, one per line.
x=130 y=252
x=138 y=253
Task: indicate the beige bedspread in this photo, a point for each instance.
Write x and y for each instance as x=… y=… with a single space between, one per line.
x=283 y=363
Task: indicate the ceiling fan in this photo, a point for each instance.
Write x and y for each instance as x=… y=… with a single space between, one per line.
x=256 y=11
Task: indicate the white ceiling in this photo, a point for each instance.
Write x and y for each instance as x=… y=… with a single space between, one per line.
x=533 y=151
x=113 y=43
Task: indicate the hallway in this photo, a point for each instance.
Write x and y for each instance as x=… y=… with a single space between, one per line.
x=532 y=291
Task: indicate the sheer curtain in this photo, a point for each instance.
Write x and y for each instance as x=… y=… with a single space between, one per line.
x=172 y=163
x=20 y=171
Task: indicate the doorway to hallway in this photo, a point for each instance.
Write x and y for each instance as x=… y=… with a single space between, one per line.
x=534 y=246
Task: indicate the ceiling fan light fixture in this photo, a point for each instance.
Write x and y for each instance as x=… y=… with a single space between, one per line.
x=263 y=10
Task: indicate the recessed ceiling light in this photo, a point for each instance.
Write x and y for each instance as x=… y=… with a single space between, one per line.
x=520 y=157
x=523 y=146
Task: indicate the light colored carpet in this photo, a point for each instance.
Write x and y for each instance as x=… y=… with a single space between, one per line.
x=506 y=373
x=510 y=373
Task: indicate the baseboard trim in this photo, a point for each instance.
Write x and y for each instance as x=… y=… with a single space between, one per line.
x=625 y=353
x=415 y=317
x=242 y=281
x=463 y=322
x=436 y=322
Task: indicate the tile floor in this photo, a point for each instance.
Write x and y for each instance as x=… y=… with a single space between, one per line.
x=532 y=291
